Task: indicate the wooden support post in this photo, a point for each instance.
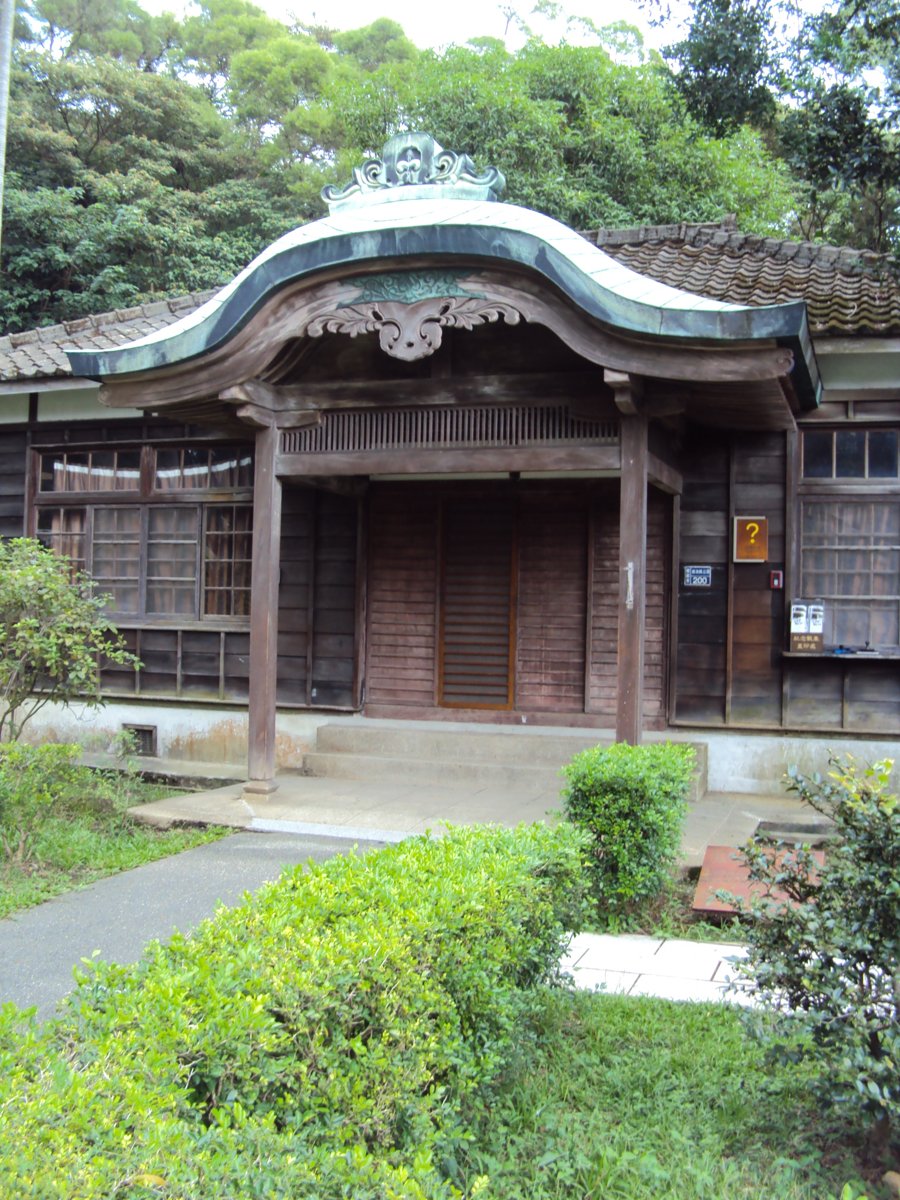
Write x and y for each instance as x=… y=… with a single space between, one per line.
x=632 y=559
x=264 y=615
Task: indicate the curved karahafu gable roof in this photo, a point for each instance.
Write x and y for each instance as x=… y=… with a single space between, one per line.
x=400 y=228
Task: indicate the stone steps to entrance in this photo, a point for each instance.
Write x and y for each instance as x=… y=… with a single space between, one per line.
x=513 y=757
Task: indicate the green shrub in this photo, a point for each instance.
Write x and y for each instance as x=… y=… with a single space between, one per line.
x=325 y=1039
x=35 y=781
x=54 y=635
x=630 y=801
x=824 y=940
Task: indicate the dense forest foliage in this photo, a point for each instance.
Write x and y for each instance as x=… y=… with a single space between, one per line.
x=151 y=156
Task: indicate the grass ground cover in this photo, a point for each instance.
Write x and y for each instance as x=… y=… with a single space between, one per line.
x=637 y=1099
x=90 y=837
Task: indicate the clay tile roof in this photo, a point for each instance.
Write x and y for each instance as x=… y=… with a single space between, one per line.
x=38 y=353
x=846 y=291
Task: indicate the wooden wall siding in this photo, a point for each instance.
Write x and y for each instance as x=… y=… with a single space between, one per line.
x=12 y=485
x=334 y=601
x=201 y=664
x=839 y=694
x=757 y=617
x=295 y=593
x=561 y=534
x=552 y=604
x=317 y=599
x=656 y=622
x=601 y=690
x=703 y=612
x=477 y=604
x=604 y=612
x=402 y=597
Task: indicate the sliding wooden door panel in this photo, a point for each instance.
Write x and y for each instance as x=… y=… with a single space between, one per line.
x=477 y=605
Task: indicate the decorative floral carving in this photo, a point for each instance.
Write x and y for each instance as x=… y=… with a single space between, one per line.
x=410 y=286
x=417 y=160
x=413 y=331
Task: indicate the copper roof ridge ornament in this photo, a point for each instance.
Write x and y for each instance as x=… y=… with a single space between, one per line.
x=414 y=166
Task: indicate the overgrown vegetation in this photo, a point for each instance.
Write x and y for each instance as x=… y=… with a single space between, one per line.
x=630 y=801
x=636 y=1099
x=63 y=825
x=824 y=944
x=380 y=1028
x=338 y=1034
x=54 y=633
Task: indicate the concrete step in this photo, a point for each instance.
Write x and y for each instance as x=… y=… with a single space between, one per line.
x=514 y=746
x=434 y=773
x=525 y=759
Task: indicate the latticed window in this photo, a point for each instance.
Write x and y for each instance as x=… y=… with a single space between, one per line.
x=177 y=550
x=850 y=535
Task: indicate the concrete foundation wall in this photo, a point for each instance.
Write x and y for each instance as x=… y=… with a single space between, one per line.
x=183 y=734
x=738 y=762
x=758 y=763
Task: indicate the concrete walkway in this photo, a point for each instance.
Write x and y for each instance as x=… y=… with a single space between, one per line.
x=388 y=812
x=670 y=968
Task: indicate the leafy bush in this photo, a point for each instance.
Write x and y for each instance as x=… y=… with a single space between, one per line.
x=53 y=634
x=34 y=781
x=325 y=1039
x=630 y=801
x=824 y=940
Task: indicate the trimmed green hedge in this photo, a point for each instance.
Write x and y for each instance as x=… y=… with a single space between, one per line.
x=630 y=801
x=328 y=1038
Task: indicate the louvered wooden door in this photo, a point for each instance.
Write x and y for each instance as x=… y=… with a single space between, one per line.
x=477 y=635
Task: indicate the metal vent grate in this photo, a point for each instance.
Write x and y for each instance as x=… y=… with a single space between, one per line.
x=441 y=428
x=144 y=739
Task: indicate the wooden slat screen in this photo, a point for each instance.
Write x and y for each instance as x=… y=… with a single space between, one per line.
x=437 y=428
x=477 y=605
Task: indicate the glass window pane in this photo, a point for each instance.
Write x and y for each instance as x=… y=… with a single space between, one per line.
x=116 y=560
x=63 y=530
x=172 y=546
x=851 y=561
x=883 y=454
x=226 y=560
x=196 y=468
x=850 y=454
x=817 y=454
x=167 y=476
x=128 y=471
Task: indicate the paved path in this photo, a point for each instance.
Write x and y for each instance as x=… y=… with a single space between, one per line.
x=116 y=917
x=670 y=968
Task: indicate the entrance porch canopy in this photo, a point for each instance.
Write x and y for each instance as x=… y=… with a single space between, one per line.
x=416 y=246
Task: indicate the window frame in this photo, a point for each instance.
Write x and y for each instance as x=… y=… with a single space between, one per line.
x=845 y=491
x=145 y=498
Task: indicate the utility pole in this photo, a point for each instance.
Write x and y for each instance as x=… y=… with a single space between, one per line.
x=7 y=20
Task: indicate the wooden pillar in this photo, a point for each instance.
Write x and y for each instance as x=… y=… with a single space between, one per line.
x=632 y=559
x=264 y=614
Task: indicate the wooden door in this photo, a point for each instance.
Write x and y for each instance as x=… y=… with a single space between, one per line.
x=477 y=605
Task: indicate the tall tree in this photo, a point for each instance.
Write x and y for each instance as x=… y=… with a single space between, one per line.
x=827 y=92
x=725 y=64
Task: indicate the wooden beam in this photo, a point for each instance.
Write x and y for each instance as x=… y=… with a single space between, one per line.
x=424 y=462
x=264 y=616
x=632 y=569
x=666 y=478
x=438 y=391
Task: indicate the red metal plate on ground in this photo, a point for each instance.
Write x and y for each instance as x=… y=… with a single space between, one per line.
x=722 y=870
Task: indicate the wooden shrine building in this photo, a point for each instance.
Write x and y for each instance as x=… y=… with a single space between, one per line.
x=492 y=472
